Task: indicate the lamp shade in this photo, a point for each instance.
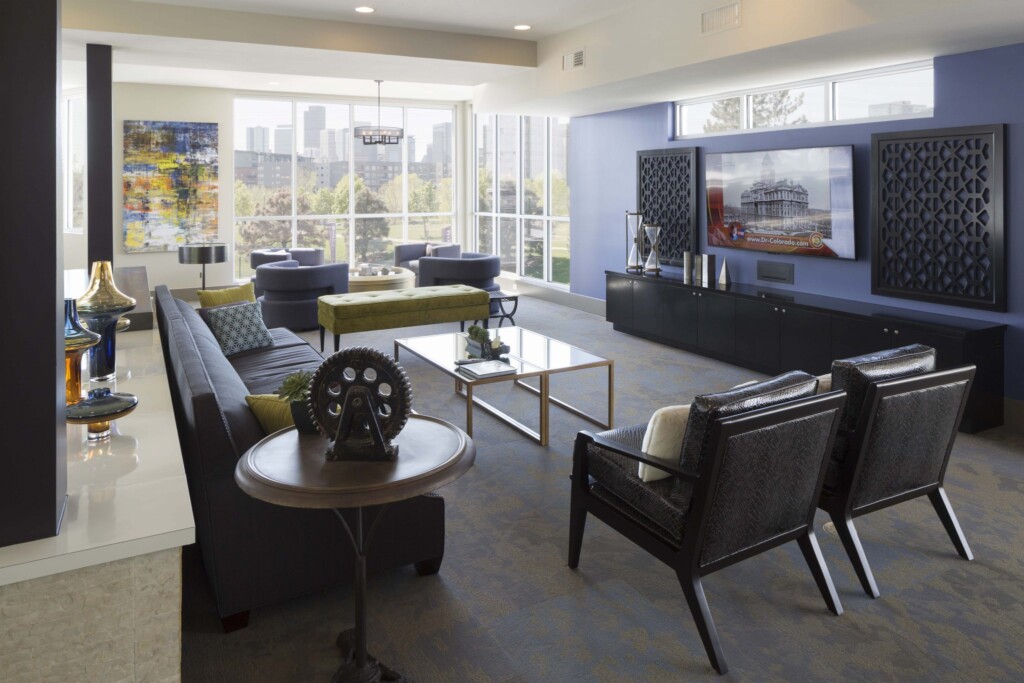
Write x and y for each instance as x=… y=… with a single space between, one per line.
x=202 y=253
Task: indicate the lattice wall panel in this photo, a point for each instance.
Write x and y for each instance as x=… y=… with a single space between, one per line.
x=937 y=206
x=667 y=196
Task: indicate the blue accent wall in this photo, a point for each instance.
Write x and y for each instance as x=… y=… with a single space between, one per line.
x=970 y=89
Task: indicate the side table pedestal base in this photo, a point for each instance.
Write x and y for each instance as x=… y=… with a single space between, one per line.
x=350 y=672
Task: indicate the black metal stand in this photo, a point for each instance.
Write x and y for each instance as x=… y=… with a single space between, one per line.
x=358 y=665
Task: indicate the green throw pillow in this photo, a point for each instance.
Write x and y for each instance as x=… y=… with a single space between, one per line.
x=272 y=411
x=228 y=295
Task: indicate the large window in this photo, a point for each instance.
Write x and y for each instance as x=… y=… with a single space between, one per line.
x=302 y=179
x=893 y=93
x=524 y=216
x=73 y=143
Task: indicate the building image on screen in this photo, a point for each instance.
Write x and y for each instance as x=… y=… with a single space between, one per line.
x=797 y=201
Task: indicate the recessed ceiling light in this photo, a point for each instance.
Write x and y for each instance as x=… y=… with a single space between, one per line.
x=365 y=10
x=522 y=27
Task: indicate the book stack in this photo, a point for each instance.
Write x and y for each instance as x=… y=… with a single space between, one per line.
x=487 y=368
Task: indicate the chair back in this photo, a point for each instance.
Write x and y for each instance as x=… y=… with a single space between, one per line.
x=286 y=281
x=905 y=435
x=760 y=483
x=475 y=270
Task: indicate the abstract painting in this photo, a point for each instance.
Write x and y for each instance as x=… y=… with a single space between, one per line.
x=170 y=184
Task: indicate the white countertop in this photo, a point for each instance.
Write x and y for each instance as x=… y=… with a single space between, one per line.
x=126 y=496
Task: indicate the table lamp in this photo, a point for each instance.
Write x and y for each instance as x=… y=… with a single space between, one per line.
x=202 y=253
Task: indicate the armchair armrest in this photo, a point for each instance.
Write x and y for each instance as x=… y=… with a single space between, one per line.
x=638 y=456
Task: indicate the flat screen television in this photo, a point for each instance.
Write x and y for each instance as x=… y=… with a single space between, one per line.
x=783 y=201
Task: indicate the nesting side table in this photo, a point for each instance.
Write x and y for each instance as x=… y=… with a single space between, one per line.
x=288 y=468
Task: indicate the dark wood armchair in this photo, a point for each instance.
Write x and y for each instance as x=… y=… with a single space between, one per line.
x=892 y=447
x=756 y=487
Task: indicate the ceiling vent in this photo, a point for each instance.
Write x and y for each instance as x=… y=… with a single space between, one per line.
x=577 y=59
x=721 y=18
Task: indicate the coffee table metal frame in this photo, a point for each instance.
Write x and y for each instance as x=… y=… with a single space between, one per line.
x=464 y=385
x=300 y=476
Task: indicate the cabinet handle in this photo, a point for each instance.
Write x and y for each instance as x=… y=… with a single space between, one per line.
x=776 y=309
x=783 y=310
x=895 y=331
x=885 y=329
x=693 y=293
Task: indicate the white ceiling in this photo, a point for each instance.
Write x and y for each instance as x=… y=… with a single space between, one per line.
x=480 y=17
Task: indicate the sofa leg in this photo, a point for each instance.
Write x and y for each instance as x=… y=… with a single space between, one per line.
x=428 y=567
x=235 y=622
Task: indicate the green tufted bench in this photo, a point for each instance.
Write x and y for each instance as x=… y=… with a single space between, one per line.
x=383 y=310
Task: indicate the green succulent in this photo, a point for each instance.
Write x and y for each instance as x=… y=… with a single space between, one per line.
x=295 y=386
x=479 y=334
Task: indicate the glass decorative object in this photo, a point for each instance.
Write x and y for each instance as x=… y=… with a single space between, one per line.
x=634 y=261
x=653 y=264
x=100 y=307
x=97 y=411
x=77 y=340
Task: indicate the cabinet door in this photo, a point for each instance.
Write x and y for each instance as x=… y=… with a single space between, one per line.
x=716 y=323
x=619 y=300
x=758 y=334
x=855 y=336
x=806 y=340
x=949 y=350
x=647 y=297
x=679 y=308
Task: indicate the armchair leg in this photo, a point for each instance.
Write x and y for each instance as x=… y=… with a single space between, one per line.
x=694 y=592
x=812 y=554
x=848 y=535
x=945 y=511
x=577 y=522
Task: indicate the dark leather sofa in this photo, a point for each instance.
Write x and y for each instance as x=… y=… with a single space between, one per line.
x=255 y=553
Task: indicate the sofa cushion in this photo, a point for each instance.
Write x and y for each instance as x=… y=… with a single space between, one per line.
x=227 y=295
x=664 y=440
x=239 y=328
x=854 y=376
x=708 y=408
x=273 y=412
x=264 y=369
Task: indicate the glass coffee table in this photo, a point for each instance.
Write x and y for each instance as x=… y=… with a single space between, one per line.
x=531 y=355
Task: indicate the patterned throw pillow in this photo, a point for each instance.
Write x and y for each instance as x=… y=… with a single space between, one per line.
x=239 y=328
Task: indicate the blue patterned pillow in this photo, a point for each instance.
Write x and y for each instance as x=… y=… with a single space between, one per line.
x=239 y=328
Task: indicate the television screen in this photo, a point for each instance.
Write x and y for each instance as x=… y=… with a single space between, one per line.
x=785 y=201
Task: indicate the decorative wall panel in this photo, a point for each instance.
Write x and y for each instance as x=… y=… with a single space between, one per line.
x=937 y=216
x=666 y=195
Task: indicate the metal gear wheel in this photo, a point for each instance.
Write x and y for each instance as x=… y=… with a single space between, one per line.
x=371 y=369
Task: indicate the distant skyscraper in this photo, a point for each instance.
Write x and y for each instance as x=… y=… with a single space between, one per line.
x=257 y=139
x=559 y=145
x=283 y=140
x=314 y=121
x=441 y=150
x=329 y=144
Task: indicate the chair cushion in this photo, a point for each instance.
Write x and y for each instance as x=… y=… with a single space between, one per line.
x=659 y=506
x=273 y=412
x=227 y=295
x=708 y=408
x=664 y=440
x=239 y=328
x=854 y=376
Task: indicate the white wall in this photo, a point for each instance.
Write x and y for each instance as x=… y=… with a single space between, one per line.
x=133 y=102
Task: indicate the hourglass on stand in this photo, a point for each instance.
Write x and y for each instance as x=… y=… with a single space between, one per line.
x=634 y=242
x=653 y=264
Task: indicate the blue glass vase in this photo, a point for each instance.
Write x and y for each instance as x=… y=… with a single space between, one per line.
x=99 y=308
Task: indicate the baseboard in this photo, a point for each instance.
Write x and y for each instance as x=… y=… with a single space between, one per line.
x=555 y=295
x=1013 y=414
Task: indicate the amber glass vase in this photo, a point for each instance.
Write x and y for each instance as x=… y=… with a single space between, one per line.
x=77 y=340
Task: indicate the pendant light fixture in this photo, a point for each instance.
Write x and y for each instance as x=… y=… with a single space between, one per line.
x=379 y=135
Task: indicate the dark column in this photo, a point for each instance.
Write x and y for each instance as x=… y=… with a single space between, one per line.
x=33 y=453
x=100 y=116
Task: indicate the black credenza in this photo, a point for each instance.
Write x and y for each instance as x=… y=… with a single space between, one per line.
x=773 y=331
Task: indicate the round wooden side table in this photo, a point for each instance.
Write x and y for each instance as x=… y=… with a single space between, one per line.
x=290 y=469
x=396 y=278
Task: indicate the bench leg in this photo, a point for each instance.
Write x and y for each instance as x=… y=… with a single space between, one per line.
x=322 y=331
x=336 y=338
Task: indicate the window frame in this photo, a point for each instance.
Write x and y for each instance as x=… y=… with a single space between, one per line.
x=67 y=172
x=829 y=83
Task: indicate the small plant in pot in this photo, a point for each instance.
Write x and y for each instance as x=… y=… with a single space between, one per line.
x=295 y=390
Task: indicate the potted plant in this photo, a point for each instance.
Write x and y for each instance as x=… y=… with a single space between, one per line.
x=478 y=341
x=295 y=389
